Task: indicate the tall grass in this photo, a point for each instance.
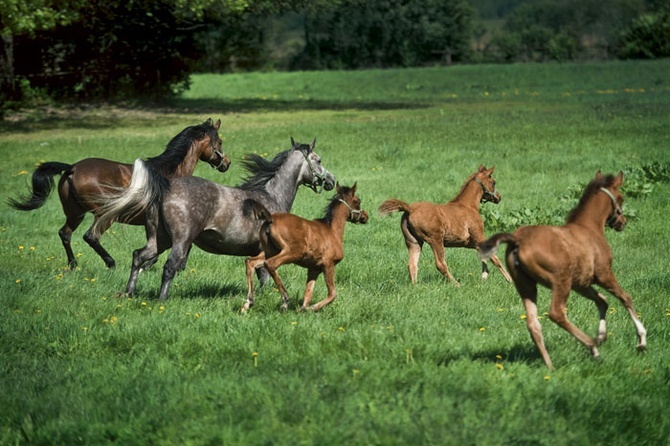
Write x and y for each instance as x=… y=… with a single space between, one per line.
x=387 y=362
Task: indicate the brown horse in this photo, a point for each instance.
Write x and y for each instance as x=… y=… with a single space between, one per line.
x=453 y=224
x=574 y=256
x=92 y=177
x=312 y=244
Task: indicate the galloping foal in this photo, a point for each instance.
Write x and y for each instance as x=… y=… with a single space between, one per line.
x=573 y=256
x=453 y=224
x=312 y=244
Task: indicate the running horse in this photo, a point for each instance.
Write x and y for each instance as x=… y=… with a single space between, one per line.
x=575 y=257
x=453 y=224
x=218 y=219
x=91 y=177
x=313 y=244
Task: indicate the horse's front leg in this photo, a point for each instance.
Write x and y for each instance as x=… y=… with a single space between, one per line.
x=251 y=264
x=496 y=261
x=312 y=275
x=612 y=285
x=329 y=277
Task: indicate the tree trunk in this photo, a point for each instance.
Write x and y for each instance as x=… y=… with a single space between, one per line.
x=7 y=83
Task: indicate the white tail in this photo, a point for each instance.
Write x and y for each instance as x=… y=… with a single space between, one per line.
x=127 y=203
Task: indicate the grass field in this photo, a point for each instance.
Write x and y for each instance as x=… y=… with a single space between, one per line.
x=387 y=362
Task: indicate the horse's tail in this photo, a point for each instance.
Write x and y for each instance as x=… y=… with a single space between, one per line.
x=252 y=208
x=146 y=189
x=488 y=248
x=393 y=205
x=43 y=184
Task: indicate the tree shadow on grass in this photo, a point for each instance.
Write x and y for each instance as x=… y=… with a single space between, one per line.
x=102 y=116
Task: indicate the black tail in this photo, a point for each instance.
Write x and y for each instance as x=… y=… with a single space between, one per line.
x=489 y=247
x=43 y=183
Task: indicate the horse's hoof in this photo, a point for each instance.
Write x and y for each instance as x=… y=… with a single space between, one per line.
x=121 y=294
x=642 y=348
x=485 y=276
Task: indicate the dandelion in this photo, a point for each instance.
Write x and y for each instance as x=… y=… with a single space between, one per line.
x=32 y=248
x=294 y=323
x=84 y=328
x=255 y=356
x=340 y=328
x=355 y=372
x=482 y=329
x=144 y=304
x=500 y=309
x=498 y=357
x=23 y=172
x=21 y=247
x=18 y=281
x=523 y=316
x=499 y=366
x=612 y=310
x=547 y=377
x=197 y=315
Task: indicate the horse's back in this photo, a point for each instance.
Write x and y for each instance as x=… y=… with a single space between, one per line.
x=91 y=177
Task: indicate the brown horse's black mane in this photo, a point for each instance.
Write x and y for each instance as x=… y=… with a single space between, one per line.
x=328 y=212
x=179 y=146
x=263 y=170
x=593 y=187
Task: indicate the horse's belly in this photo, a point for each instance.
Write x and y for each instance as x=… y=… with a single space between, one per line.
x=216 y=243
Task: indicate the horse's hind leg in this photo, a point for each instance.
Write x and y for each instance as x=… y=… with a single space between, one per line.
x=414 y=246
x=601 y=302
x=176 y=262
x=65 y=233
x=94 y=242
x=251 y=264
x=527 y=289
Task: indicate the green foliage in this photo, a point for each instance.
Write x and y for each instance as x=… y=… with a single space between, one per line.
x=383 y=33
x=387 y=362
x=647 y=37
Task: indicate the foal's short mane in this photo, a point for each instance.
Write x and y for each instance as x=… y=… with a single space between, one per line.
x=465 y=183
x=328 y=212
x=593 y=187
x=262 y=170
x=179 y=146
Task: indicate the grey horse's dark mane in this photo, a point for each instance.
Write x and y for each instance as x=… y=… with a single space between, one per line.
x=262 y=170
x=593 y=187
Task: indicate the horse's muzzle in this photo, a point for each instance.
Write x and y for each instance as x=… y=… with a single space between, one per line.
x=362 y=217
x=224 y=164
x=492 y=197
x=329 y=181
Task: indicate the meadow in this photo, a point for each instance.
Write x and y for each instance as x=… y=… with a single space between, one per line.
x=388 y=362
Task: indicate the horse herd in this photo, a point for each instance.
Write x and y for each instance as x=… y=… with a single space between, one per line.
x=253 y=220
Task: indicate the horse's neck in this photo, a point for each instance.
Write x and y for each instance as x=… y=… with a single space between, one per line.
x=283 y=187
x=187 y=167
x=339 y=221
x=593 y=215
x=471 y=195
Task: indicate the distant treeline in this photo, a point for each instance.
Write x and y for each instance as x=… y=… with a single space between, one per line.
x=112 y=49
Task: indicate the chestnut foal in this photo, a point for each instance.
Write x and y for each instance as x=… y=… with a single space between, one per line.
x=453 y=224
x=573 y=256
x=312 y=244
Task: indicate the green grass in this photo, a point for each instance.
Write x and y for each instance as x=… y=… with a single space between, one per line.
x=387 y=362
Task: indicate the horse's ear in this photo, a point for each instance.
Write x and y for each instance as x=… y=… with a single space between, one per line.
x=481 y=168
x=618 y=182
x=599 y=175
x=491 y=170
x=209 y=122
x=312 y=144
x=353 y=188
x=337 y=187
x=293 y=144
x=217 y=125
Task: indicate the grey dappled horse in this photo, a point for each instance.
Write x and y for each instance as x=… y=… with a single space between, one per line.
x=218 y=219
